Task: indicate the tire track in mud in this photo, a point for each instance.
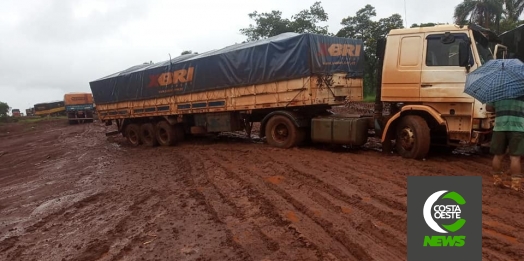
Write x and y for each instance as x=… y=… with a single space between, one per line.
x=352 y=206
x=265 y=223
x=345 y=191
x=214 y=201
x=336 y=235
x=376 y=187
x=51 y=224
x=359 y=164
x=131 y=229
x=176 y=213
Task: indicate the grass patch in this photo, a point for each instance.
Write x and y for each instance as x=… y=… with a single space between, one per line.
x=40 y=119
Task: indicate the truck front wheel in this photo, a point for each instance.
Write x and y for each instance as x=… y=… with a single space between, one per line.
x=413 y=137
x=282 y=133
x=147 y=135
x=133 y=134
x=165 y=134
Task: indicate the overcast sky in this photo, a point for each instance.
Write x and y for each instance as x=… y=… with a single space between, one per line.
x=51 y=47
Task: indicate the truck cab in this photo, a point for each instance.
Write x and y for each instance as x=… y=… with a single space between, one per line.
x=423 y=77
x=15 y=113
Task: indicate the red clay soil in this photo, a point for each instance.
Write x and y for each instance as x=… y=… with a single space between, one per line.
x=70 y=193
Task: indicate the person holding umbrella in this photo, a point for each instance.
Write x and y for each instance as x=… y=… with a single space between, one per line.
x=500 y=85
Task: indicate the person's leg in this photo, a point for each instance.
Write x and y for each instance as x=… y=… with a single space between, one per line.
x=515 y=167
x=498 y=147
x=516 y=151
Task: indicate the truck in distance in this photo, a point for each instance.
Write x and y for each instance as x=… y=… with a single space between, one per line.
x=15 y=112
x=79 y=107
x=54 y=108
x=289 y=82
x=30 y=112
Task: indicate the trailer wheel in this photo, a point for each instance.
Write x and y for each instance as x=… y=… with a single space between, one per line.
x=282 y=133
x=133 y=134
x=413 y=137
x=147 y=135
x=165 y=134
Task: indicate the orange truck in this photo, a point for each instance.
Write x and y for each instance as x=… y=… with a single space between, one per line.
x=288 y=84
x=79 y=107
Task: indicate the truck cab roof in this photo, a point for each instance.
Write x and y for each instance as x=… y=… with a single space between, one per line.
x=490 y=35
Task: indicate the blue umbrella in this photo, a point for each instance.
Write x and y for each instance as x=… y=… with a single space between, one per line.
x=496 y=80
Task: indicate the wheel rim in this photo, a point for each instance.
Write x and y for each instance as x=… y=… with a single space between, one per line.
x=407 y=138
x=162 y=134
x=280 y=133
x=133 y=137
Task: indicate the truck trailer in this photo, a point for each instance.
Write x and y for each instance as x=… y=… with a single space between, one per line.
x=79 y=107
x=54 y=108
x=289 y=83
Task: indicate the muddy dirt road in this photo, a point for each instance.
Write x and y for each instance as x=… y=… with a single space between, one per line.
x=70 y=193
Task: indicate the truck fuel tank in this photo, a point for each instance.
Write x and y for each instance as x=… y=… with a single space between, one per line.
x=340 y=130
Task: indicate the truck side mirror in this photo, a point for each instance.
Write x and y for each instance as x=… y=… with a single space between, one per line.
x=464 y=54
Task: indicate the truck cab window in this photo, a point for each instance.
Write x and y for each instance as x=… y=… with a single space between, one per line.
x=443 y=54
x=484 y=53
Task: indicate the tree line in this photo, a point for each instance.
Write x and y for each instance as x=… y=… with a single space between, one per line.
x=496 y=15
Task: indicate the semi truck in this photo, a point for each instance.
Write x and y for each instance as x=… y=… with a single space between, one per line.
x=53 y=108
x=30 y=112
x=79 y=107
x=289 y=83
x=15 y=112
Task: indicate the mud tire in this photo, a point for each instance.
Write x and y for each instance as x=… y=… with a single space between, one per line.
x=413 y=138
x=281 y=132
x=133 y=134
x=165 y=134
x=148 y=135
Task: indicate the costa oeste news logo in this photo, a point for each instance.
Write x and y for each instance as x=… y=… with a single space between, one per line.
x=444 y=213
x=444 y=218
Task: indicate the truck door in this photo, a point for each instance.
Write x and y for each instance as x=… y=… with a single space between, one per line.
x=442 y=80
x=402 y=65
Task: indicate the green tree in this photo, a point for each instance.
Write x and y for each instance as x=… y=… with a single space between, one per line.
x=4 y=109
x=513 y=10
x=272 y=23
x=486 y=13
x=361 y=26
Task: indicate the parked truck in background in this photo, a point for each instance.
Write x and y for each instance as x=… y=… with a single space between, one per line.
x=54 y=108
x=79 y=107
x=30 y=112
x=15 y=112
x=289 y=82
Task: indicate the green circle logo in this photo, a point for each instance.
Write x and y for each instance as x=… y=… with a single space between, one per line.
x=444 y=212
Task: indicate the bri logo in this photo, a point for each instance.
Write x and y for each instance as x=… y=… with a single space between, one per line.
x=168 y=78
x=339 y=50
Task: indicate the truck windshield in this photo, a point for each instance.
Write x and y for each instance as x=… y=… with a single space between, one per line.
x=482 y=44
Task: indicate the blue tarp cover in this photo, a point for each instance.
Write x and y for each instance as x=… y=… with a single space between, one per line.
x=282 y=57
